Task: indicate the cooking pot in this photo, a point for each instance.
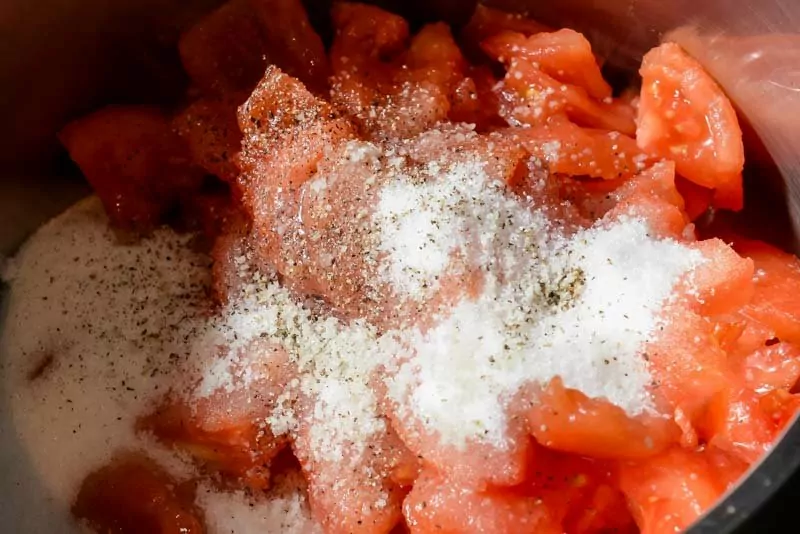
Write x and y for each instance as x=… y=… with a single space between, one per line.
x=62 y=58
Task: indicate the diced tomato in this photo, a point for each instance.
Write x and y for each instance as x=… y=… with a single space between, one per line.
x=669 y=492
x=529 y=96
x=593 y=198
x=439 y=505
x=211 y=131
x=356 y=494
x=565 y=55
x=434 y=56
x=476 y=463
x=365 y=36
x=133 y=495
x=688 y=368
x=777 y=282
x=474 y=100
x=287 y=130
x=209 y=212
x=736 y=423
x=134 y=162
x=228 y=249
x=685 y=116
x=577 y=491
x=574 y=151
x=697 y=198
x=723 y=283
x=487 y=21
x=770 y=367
x=651 y=195
x=781 y=406
x=292 y=43
x=226 y=431
x=567 y=420
x=225 y=51
x=391 y=92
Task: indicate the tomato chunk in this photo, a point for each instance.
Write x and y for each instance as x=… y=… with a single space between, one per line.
x=685 y=116
x=574 y=151
x=212 y=133
x=135 y=163
x=226 y=431
x=392 y=88
x=777 y=282
x=652 y=196
x=292 y=43
x=436 y=505
x=723 y=283
x=224 y=51
x=567 y=420
x=357 y=493
x=668 y=493
x=133 y=495
x=565 y=55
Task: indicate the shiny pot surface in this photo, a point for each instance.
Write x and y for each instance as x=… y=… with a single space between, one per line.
x=61 y=58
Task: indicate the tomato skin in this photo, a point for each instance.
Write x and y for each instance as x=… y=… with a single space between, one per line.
x=685 y=116
x=133 y=495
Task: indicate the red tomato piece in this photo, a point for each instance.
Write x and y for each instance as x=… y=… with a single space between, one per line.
x=578 y=492
x=687 y=366
x=736 y=423
x=669 y=492
x=434 y=56
x=476 y=463
x=567 y=420
x=357 y=494
x=366 y=35
x=438 y=505
x=474 y=100
x=210 y=213
x=134 y=162
x=781 y=406
x=565 y=55
x=292 y=43
x=651 y=195
x=777 y=284
x=225 y=432
x=211 y=131
x=696 y=197
x=224 y=51
x=574 y=151
x=486 y=22
x=133 y=495
x=529 y=96
x=389 y=91
x=685 y=116
x=770 y=367
x=287 y=131
x=724 y=282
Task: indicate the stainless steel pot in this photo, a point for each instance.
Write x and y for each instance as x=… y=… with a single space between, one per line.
x=60 y=58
